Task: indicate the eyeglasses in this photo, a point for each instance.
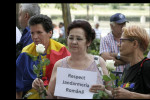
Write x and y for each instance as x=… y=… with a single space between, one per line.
x=125 y=39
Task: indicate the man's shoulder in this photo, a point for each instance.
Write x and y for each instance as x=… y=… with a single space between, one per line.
x=108 y=37
x=30 y=49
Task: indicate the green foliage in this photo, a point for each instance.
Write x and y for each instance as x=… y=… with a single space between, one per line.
x=114 y=6
x=43 y=5
x=72 y=6
x=61 y=40
x=100 y=95
x=36 y=70
x=94 y=47
x=106 y=78
x=146 y=52
x=34 y=58
x=112 y=76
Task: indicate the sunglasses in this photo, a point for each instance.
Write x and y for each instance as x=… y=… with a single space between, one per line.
x=125 y=39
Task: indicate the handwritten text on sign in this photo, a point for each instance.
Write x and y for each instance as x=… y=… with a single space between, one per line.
x=73 y=83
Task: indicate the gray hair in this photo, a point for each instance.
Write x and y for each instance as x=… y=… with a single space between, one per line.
x=31 y=8
x=112 y=23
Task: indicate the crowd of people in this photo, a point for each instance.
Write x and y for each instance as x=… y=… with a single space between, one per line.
x=124 y=45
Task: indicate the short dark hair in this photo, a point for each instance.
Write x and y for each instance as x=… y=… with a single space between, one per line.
x=44 y=20
x=61 y=23
x=89 y=32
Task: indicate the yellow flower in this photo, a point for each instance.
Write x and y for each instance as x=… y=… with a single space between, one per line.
x=127 y=85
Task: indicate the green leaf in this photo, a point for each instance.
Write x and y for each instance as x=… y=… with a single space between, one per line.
x=106 y=78
x=96 y=96
x=41 y=64
x=34 y=67
x=119 y=83
x=117 y=77
x=34 y=58
x=113 y=77
x=36 y=70
x=100 y=93
x=46 y=61
x=105 y=95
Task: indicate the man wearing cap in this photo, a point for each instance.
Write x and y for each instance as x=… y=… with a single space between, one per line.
x=108 y=44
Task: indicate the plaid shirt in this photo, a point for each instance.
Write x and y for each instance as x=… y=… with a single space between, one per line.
x=108 y=44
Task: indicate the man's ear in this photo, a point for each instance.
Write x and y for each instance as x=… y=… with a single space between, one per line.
x=50 y=34
x=111 y=26
x=27 y=16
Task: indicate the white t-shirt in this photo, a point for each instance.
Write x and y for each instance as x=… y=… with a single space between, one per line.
x=98 y=33
x=62 y=31
x=55 y=33
x=18 y=35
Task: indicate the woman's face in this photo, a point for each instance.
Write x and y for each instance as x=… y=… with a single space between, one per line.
x=126 y=46
x=39 y=35
x=76 y=40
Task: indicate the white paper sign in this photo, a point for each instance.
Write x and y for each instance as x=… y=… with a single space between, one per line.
x=72 y=83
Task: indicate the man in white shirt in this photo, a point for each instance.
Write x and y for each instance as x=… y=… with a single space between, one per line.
x=97 y=31
x=62 y=30
x=18 y=35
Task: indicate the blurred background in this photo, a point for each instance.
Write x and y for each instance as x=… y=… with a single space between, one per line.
x=136 y=13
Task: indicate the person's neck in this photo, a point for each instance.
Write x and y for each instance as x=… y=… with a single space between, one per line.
x=117 y=38
x=46 y=46
x=78 y=57
x=135 y=58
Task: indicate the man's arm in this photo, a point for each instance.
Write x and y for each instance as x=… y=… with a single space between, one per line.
x=106 y=56
x=122 y=61
x=112 y=56
x=105 y=49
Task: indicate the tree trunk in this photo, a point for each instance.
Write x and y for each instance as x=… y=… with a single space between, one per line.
x=66 y=15
x=87 y=17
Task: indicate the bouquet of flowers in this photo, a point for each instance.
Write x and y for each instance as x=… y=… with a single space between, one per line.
x=110 y=77
x=37 y=69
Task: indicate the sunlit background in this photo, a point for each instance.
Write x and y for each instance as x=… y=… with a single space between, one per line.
x=136 y=13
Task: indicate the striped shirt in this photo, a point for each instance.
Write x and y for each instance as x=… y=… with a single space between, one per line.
x=108 y=44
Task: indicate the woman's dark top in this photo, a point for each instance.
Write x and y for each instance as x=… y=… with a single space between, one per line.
x=138 y=76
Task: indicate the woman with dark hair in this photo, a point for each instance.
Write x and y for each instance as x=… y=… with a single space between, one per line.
x=80 y=36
